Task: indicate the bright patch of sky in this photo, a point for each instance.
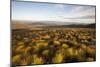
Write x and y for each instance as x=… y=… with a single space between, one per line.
x=34 y=11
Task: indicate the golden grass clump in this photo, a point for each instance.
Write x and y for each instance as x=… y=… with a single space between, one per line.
x=15 y=59
x=69 y=52
x=55 y=42
x=91 y=51
x=19 y=48
x=58 y=58
x=37 y=60
x=26 y=60
x=64 y=45
x=41 y=43
x=46 y=52
x=20 y=43
x=26 y=50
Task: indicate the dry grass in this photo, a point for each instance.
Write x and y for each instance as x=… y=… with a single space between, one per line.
x=30 y=47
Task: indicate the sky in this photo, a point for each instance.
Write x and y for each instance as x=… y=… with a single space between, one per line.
x=34 y=11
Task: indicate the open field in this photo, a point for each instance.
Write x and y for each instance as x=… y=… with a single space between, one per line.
x=53 y=45
x=52 y=33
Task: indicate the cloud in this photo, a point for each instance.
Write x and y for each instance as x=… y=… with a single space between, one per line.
x=83 y=17
x=54 y=12
x=81 y=12
x=87 y=17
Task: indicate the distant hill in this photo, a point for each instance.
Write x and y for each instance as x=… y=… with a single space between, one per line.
x=36 y=25
x=93 y=25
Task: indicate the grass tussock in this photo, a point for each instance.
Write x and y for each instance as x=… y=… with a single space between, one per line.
x=31 y=47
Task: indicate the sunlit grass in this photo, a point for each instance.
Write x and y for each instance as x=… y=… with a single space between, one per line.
x=53 y=46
